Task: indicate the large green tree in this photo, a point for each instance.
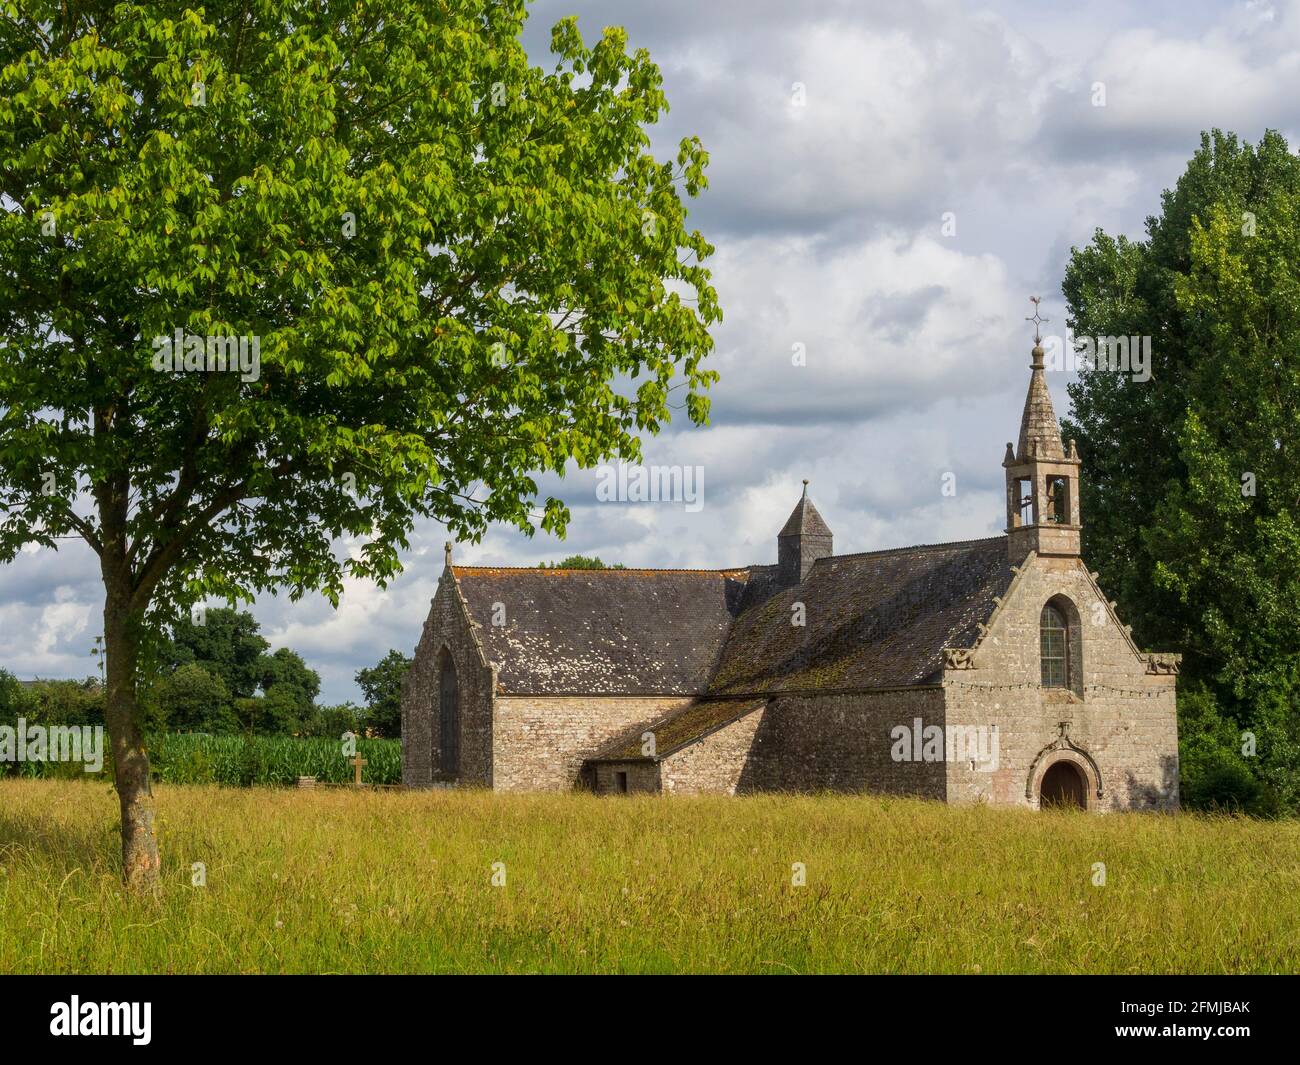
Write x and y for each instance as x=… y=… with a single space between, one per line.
x=1191 y=490
x=194 y=699
x=289 y=692
x=459 y=269
x=381 y=684
x=225 y=642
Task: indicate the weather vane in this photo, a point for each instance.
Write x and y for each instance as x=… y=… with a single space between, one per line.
x=1037 y=319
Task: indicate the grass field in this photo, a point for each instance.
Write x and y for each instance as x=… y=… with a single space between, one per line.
x=342 y=881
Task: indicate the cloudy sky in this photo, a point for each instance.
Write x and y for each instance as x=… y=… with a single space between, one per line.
x=827 y=206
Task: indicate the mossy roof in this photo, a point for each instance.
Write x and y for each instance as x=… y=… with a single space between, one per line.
x=602 y=632
x=678 y=729
x=877 y=619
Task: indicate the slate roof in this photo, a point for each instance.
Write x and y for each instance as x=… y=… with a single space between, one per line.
x=678 y=729
x=804 y=519
x=879 y=619
x=602 y=632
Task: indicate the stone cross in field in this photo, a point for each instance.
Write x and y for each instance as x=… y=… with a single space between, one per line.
x=357 y=763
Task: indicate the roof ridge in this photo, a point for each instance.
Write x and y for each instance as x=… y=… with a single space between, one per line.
x=912 y=547
x=608 y=569
x=747 y=569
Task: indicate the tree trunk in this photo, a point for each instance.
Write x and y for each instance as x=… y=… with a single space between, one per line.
x=130 y=762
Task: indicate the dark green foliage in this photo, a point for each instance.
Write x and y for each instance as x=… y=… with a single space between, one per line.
x=51 y=702
x=193 y=699
x=289 y=692
x=1190 y=486
x=13 y=698
x=579 y=562
x=266 y=693
x=286 y=669
x=226 y=642
x=280 y=712
x=381 y=685
x=332 y=721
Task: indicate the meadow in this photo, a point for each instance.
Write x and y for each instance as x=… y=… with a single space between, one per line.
x=387 y=881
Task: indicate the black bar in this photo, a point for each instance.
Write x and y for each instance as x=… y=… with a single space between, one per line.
x=359 y=1015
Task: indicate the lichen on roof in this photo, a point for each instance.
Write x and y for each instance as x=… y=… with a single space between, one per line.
x=879 y=619
x=678 y=729
x=876 y=619
x=602 y=632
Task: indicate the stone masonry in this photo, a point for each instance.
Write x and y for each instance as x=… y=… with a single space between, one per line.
x=990 y=670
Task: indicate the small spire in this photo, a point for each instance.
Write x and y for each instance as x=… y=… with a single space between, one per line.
x=804 y=519
x=446 y=553
x=1040 y=434
x=803 y=539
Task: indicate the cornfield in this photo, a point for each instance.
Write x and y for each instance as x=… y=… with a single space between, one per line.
x=246 y=761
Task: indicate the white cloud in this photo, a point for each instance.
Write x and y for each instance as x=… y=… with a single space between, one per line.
x=827 y=221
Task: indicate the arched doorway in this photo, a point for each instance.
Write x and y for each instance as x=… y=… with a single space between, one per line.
x=1063 y=786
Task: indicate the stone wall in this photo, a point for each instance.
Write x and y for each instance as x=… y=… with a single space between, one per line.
x=843 y=742
x=1121 y=717
x=448 y=625
x=539 y=742
x=719 y=764
x=642 y=777
x=1122 y=731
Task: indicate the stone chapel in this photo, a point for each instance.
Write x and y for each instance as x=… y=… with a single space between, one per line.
x=992 y=670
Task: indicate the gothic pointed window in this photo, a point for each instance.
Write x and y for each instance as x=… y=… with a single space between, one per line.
x=1054 y=648
x=448 y=717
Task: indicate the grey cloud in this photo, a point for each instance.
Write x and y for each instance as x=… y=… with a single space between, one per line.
x=827 y=226
x=897 y=318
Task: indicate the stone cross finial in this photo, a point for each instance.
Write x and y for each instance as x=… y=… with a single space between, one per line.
x=446 y=552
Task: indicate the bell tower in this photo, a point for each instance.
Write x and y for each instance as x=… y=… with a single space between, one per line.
x=1042 y=478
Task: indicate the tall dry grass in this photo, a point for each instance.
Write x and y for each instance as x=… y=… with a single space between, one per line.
x=341 y=881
